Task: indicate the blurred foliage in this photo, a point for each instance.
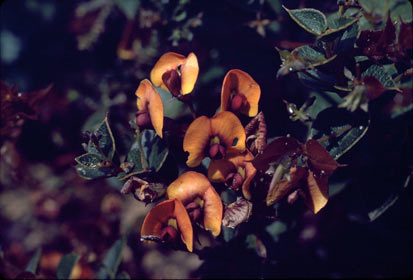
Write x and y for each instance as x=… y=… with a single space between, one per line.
x=74 y=66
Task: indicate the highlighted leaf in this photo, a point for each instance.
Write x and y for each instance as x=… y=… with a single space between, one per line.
x=311 y=20
x=90 y=160
x=134 y=159
x=66 y=266
x=106 y=141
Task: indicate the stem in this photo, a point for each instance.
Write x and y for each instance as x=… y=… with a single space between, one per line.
x=139 y=140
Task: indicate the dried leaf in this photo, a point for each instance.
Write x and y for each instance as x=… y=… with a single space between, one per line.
x=237 y=213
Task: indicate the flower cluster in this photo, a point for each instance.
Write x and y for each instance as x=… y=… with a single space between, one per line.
x=236 y=155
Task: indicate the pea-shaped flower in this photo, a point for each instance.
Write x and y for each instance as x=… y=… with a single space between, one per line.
x=216 y=137
x=240 y=93
x=202 y=202
x=236 y=171
x=165 y=221
x=150 y=107
x=176 y=73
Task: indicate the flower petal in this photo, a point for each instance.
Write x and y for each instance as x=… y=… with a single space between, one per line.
x=219 y=169
x=213 y=211
x=250 y=172
x=242 y=83
x=166 y=62
x=191 y=185
x=196 y=140
x=189 y=73
x=188 y=186
x=184 y=224
x=316 y=193
x=230 y=131
x=159 y=215
x=149 y=98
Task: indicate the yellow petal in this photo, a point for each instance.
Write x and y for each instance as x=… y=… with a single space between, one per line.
x=219 y=169
x=230 y=131
x=166 y=62
x=188 y=186
x=242 y=83
x=149 y=99
x=189 y=73
x=316 y=193
x=159 y=215
x=191 y=185
x=184 y=224
x=250 y=172
x=196 y=140
x=213 y=211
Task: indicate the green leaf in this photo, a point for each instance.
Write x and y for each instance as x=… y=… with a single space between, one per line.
x=312 y=56
x=90 y=160
x=347 y=40
x=112 y=259
x=340 y=129
x=318 y=80
x=94 y=121
x=32 y=265
x=402 y=9
x=135 y=159
x=90 y=173
x=370 y=6
x=323 y=101
x=128 y=7
x=155 y=149
x=172 y=107
x=336 y=26
x=311 y=20
x=66 y=265
x=106 y=142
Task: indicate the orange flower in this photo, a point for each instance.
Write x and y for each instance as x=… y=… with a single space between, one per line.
x=165 y=220
x=150 y=107
x=199 y=198
x=176 y=73
x=240 y=93
x=236 y=171
x=216 y=137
